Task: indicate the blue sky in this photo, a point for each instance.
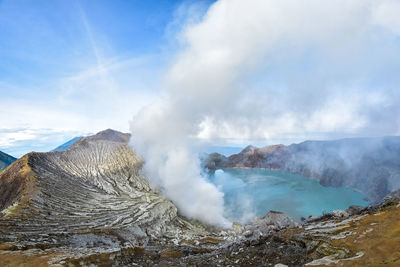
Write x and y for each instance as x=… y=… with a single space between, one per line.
x=73 y=67
x=232 y=72
x=42 y=39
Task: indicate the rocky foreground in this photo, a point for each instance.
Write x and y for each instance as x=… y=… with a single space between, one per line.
x=90 y=206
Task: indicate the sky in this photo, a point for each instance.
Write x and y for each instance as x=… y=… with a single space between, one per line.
x=72 y=68
x=260 y=72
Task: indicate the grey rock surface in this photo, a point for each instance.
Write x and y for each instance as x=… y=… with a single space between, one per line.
x=91 y=206
x=94 y=186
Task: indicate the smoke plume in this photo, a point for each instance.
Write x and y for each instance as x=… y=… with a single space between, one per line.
x=264 y=69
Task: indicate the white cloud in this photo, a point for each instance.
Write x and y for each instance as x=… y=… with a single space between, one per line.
x=19 y=141
x=333 y=38
x=387 y=13
x=86 y=101
x=265 y=69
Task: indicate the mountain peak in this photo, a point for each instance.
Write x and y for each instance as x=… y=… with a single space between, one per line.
x=248 y=148
x=106 y=135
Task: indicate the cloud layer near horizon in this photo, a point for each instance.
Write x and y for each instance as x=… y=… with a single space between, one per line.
x=292 y=67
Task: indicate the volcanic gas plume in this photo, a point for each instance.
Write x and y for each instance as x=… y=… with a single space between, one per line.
x=266 y=69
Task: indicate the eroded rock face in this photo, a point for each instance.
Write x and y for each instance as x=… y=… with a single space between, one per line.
x=270 y=222
x=92 y=195
x=90 y=206
x=369 y=165
x=357 y=240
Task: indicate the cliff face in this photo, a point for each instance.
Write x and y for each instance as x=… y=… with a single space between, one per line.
x=369 y=165
x=5 y=160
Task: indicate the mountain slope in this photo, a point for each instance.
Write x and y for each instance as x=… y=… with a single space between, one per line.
x=5 y=160
x=66 y=145
x=93 y=187
x=91 y=206
x=94 y=184
x=369 y=165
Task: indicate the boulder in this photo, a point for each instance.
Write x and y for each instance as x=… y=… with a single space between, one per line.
x=340 y=213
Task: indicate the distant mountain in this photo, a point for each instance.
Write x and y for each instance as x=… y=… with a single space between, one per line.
x=369 y=165
x=66 y=145
x=224 y=150
x=5 y=160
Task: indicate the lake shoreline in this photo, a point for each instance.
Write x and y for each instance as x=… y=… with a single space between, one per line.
x=265 y=189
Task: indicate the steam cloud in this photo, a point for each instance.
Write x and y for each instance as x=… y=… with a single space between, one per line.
x=264 y=69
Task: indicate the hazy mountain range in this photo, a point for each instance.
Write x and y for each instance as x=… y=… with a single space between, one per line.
x=369 y=165
x=5 y=160
x=66 y=145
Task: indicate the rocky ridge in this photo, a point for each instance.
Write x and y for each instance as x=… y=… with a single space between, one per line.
x=90 y=195
x=91 y=206
x=368 y=165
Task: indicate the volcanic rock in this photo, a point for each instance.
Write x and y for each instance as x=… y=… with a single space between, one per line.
x=91 y=206
x=92 y=195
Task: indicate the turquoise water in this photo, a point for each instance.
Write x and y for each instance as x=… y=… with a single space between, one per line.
x=254 y=192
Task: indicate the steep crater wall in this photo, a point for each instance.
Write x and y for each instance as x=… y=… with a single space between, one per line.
x=95 y=185
x=369 y=165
